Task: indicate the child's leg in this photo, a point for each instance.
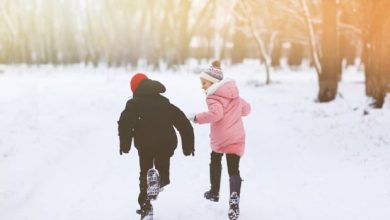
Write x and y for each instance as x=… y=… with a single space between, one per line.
x=162 y=164
x=145 y=162
x=215 y=177
x=215 y=159
x=215 y=171
x=233 y=162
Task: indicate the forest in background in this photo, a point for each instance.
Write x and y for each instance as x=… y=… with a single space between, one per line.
x=331 y=34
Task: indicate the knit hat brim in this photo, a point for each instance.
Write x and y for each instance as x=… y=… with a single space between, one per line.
x=206 y=76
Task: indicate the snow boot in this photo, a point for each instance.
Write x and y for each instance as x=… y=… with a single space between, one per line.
x=153 y=184
x=146 y=211
x=215 y=180
x=234 y=201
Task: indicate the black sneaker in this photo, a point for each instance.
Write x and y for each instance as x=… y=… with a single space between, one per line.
x=153 y=184
x=234 y=210
x=214 y=197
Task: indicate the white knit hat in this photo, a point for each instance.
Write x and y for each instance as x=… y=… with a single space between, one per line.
x=213 y=73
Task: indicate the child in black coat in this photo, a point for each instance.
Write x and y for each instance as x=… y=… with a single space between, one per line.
x=150 y=119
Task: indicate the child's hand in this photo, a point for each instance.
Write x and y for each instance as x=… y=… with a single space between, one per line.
x=124 y=147
x=188 y=153
x=192 y=117
x=123 y=152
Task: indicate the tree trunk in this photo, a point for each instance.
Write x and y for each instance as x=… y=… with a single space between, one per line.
x=377 y=55
x=314 y=50
x=239 y=47
x=276 y=54
x=374 y=83
x=295 y=55
x=183 y=32
x=330 y=69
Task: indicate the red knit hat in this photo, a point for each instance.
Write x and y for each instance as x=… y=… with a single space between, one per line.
x=136 y=80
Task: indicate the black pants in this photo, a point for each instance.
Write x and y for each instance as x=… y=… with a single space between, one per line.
x=146 y=162
x=233 y=162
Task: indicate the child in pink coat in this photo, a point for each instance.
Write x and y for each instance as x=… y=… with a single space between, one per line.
x=227 y=134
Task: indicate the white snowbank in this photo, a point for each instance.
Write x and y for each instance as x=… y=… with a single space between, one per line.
x=304 y=160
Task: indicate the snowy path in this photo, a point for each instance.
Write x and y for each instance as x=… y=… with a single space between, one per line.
x=59 y=156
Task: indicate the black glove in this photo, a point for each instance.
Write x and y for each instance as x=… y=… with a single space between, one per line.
x=123 y=151
x=189 y=152
x=124 y=147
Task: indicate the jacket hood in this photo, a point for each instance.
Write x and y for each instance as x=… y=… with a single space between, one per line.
x=225 y=88
x=149 y=87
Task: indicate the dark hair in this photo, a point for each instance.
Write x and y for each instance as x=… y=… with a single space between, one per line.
x=216 y=63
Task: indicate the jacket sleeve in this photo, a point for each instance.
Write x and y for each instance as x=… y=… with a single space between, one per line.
x=214 y=113
x=183 y=125
x=246 y=108
x=126 y=126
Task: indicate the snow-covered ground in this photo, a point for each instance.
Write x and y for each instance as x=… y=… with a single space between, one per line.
x=304 y=160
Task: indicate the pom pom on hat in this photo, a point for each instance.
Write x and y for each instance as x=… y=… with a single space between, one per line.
x=213 y=73
x=216 y=64
x=136 y=80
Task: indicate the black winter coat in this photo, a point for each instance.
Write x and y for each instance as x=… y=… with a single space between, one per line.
x=150 y=119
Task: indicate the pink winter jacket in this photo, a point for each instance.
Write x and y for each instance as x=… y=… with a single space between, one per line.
x=225 y=109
